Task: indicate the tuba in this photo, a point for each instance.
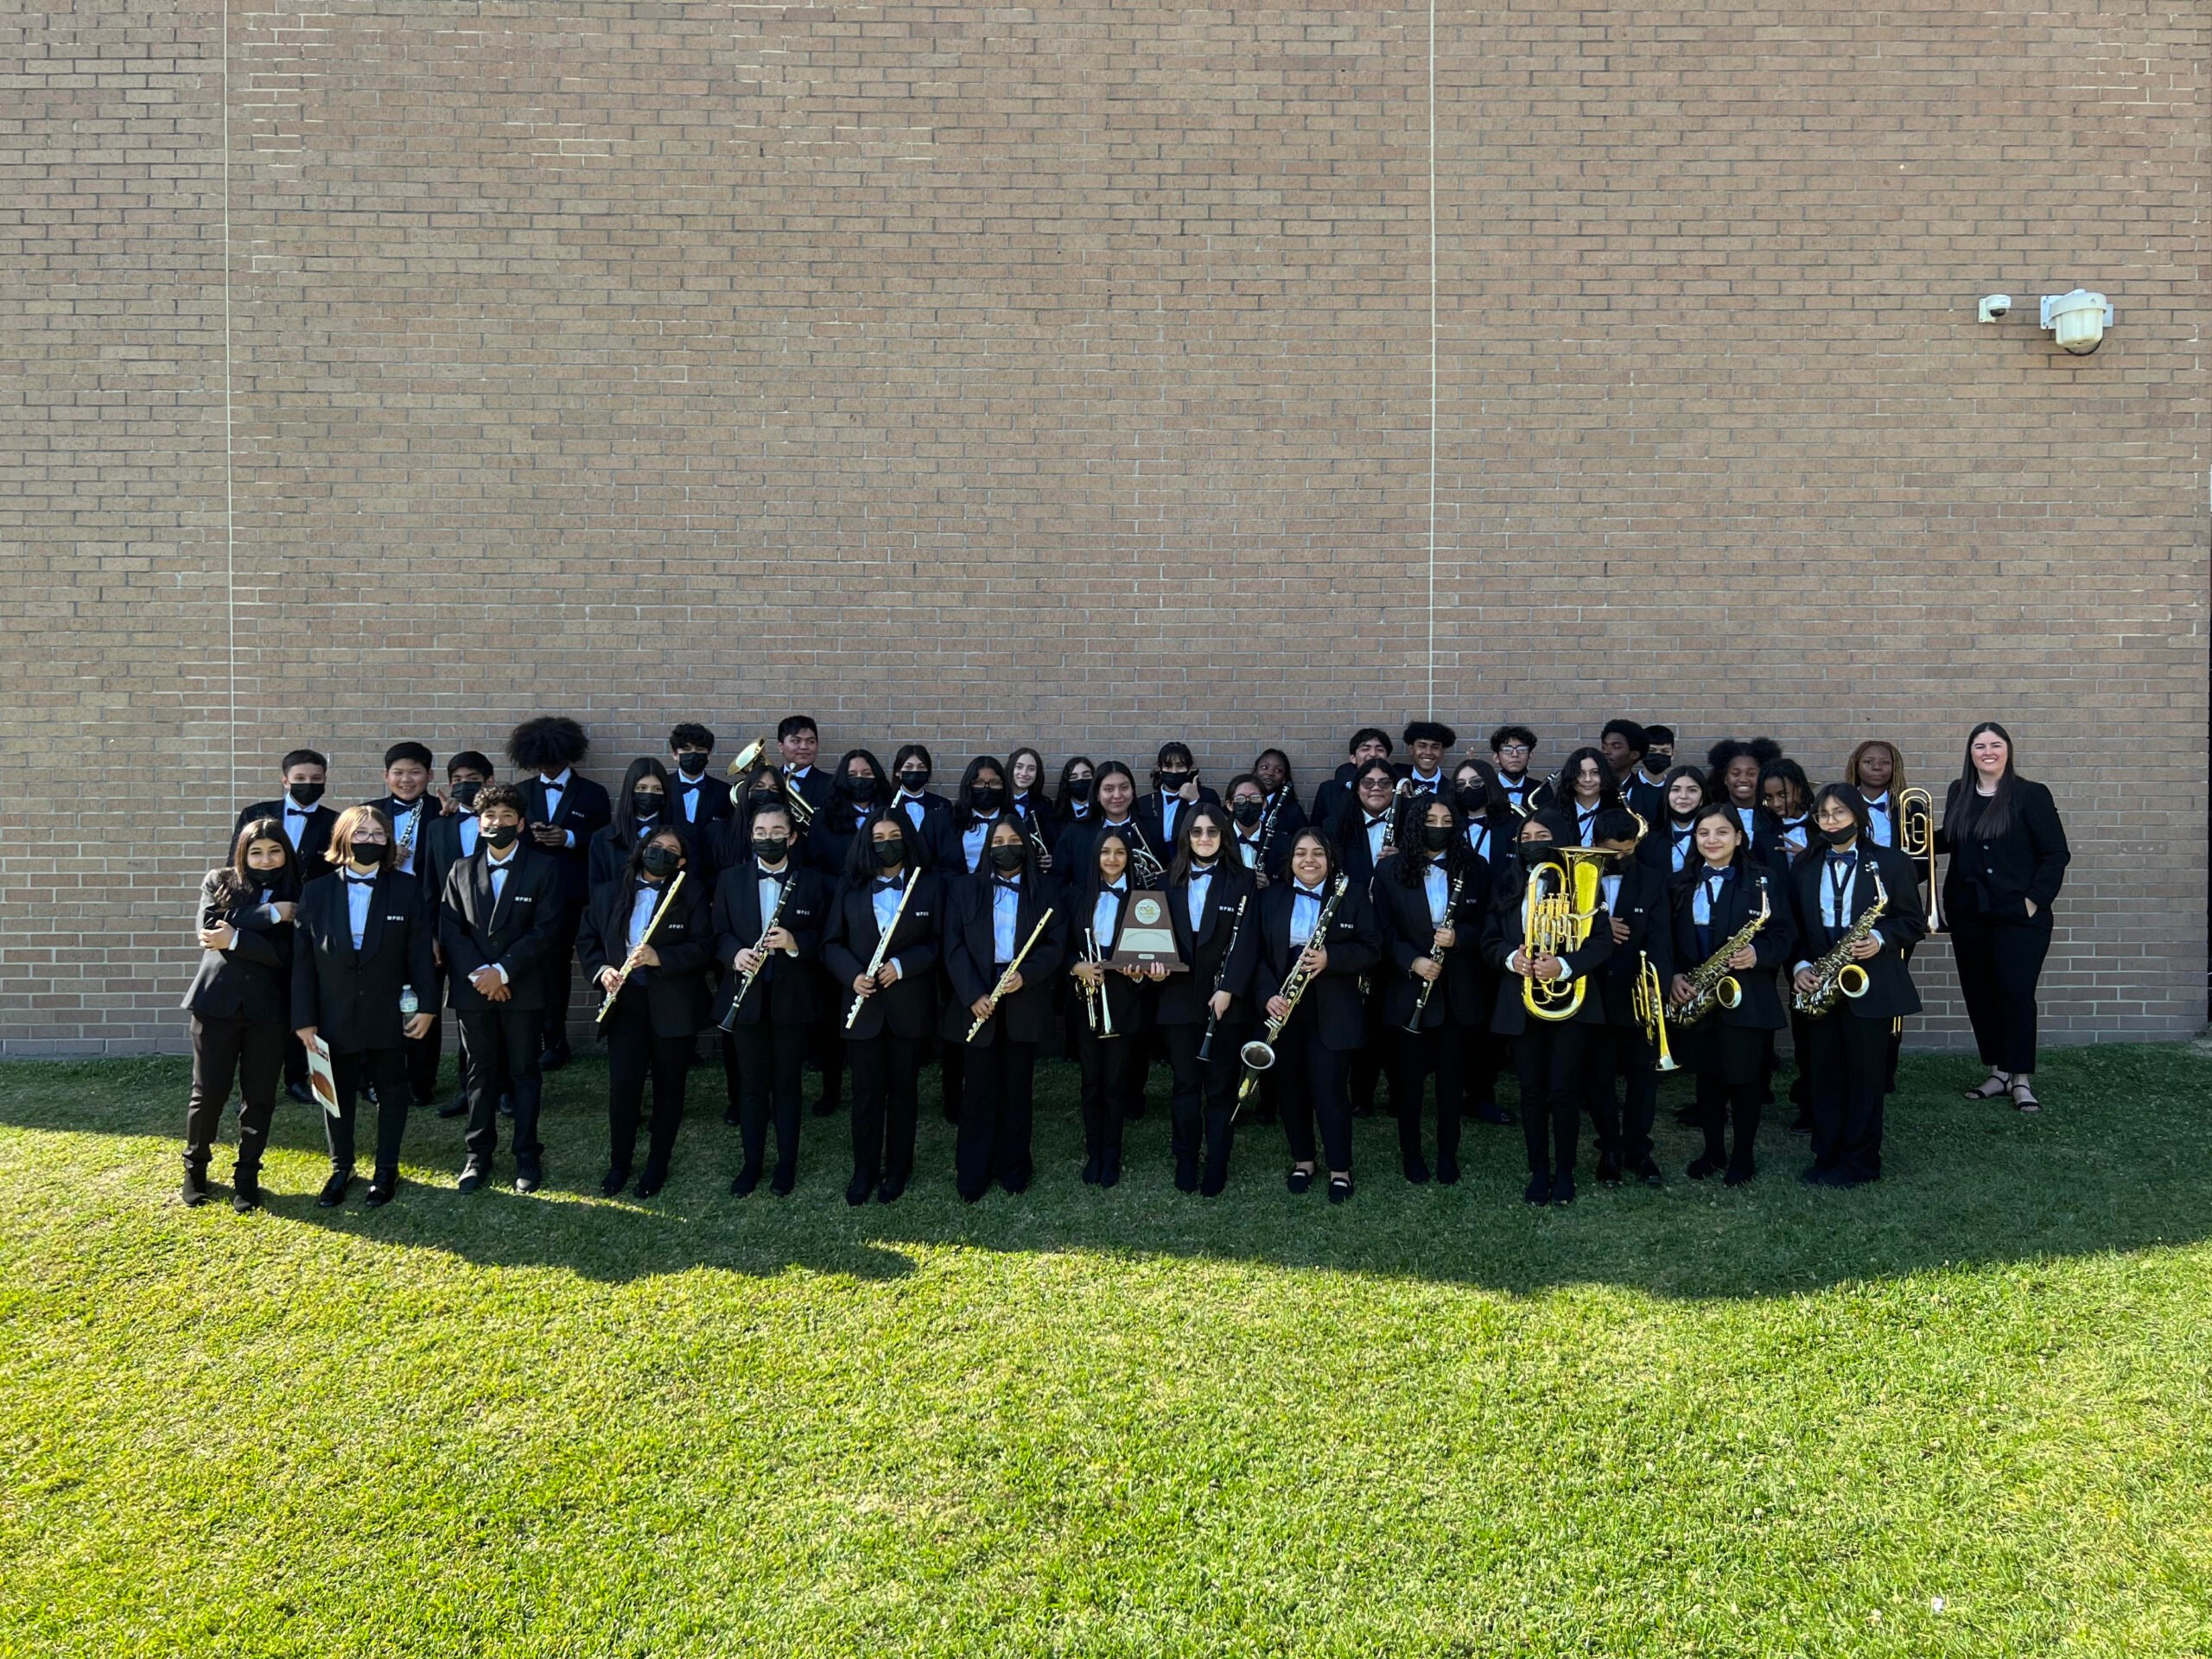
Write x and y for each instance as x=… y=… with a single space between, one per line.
x=1557 y=913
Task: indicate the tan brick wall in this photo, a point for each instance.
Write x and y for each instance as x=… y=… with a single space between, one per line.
x=984 y=374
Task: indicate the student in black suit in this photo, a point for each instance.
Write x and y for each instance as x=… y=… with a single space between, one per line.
x=1431 y=900
x=2008 y=861
x=498 y=921
x=1026 y=798
x=1214 y=906
x=799 y=741
x=411 y=807
x=769 y=1031
x=306 y=825
x=1319 y=1038
x=1427 y=741
x=1176 y=788
x=1638 y=899
x=1730 y=1050
x=1846 y=1052
x=1110 y=1036
x=990 y=917
x=566 y=810
x=964 y=827
x=729 y=842
x=1510 y=750
x=698 y=800
x=858 y=790
x=1667 y=847
x=239 y=1000
x=1114 y=789
x=1549 y=1053
x=447 y=839
x=1074 y=803
x=1624 y=744
x=662 y=933
x=1787 y=794
x=1366 y=830
x=1279 y=791
x=1876 y=769
x=910 y=770
x=1261 y=847
x=1731 y=778
x=885 y=881
x=361 y=950
x=1488 y=826
x=1583 y=789
x=639 y=809
x=1332 y=800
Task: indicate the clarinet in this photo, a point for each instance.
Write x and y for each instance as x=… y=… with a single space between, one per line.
x=1213 y=1019
x=728 y=1021
x=1428 y=986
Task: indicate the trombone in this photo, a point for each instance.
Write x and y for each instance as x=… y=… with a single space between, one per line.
x=1917 y=841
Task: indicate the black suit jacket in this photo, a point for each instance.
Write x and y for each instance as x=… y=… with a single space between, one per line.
x=584 y=812
x=442 y=849
x=1329 y=800
x=608 y=858
x=1643 y=901
x=353 y=997
x=1775 y=943
x=908 y=1007
x=786 y=990
x=252 y=978
x=817 y=786
x=517 y=933
x=1183 y=997
x=1071 y=858
x=1459 y=996
x=1643 y=796
x=970 y=960
x=1503 y=929
x=314 y=838
x=1149 y=813
x=1996 y=876
x=1890 y=991
x=675 y=991
x=1349 y=832
x=1354 y=944
x=713 y=803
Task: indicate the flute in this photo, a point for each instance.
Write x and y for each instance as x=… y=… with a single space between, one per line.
x=622 y=975
x=882 y=947
x=1006 y=978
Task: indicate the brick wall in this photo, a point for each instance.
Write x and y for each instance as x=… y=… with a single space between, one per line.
x=992 y=374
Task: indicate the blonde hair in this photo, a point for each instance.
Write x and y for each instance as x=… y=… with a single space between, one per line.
x=351 y=821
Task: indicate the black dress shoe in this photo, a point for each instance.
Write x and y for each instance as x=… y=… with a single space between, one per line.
x=730 y=1116
x=382 y=1191
x=554 y=1059
x=1563 y=1187
x=529 y=1176
x=1211 y=1184
x=650 y=1183
x=779 y=1184
x=1092 y=1166
x=457 y=1107
x=196 y=1188
x=1737 y=1177
x=1448 y=1172
x=1339 y=1188
x=827 y=1108
x=1701 y=1167
x=472 y=1176
x=857 y=1189
x=1300 y=1180
x=1539 y=1190
x=1186 y=1174
x=1417 y=1171
x=1609 y=1170
x=245 y=1190
x=1495 y=1114
x=891 y=1191
x=1648 y=1173
x=745 y=1181
x=1110 y=1172
x=334 y=1190
x=300 y=1092
x=613 y=1182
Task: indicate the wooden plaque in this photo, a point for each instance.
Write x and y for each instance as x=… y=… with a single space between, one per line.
x=1148 y=934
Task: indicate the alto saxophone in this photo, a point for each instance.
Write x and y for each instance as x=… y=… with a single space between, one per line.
x=1712 y=986
x=1838 y=976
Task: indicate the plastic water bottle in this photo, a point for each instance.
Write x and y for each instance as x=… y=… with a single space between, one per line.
x=408 y=1004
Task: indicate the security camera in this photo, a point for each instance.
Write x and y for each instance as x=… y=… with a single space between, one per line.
x=1994 y=306
x=2078 y=320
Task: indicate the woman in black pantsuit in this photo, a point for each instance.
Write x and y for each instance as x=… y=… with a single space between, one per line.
x=662 y=1005
x=240 y=1000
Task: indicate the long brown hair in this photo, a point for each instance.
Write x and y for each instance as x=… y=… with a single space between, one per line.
x=1996 y=817
x=241 y=882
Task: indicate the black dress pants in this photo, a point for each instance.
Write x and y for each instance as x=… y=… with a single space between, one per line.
x=1847 y=1058
x=559 y=978
x=2000 y=964
x=384 y=1069
x=884 y=1070
x=423 y=1054
x=1112 y=1069
x=1733 y=1064
x=1202 y=1106
x=1548 y=1057
x=770 y=1057
x=1623 y=1125
x=637 y=1054
x=1415 y=1056
x=251 y=1051
x=503 y=1048
x=1316 y=1094
x=997 y=1110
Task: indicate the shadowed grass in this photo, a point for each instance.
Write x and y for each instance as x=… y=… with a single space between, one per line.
x=1968 y=1411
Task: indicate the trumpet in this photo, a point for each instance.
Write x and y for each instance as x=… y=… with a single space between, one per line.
x=1436 y=954
x=882 y=948
x=728 y=1021
x=1557 y=912
x=622 y=976
x=1259 y=1053
x=1917 y=841
x=802 y=809
x=1006 y=978
x=1650 y=1007
x=1097 y=1004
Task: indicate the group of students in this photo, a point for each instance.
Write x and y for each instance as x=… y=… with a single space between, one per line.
x=1420 y=922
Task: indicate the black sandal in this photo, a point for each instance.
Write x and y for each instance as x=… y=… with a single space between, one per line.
x=2024 y=1098
x=1991 y=1086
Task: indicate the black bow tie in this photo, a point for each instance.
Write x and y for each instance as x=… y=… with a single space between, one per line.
x=361 y=880
x=888 y=884
x=1010 y=883
x=1374 y=818
x=1882 y=805
x=1306 y=892
x=776 y=876
x=690 y=783
x=1838 y=860
x=298 y=812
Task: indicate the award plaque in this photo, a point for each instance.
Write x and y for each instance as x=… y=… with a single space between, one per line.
x=1148 y=934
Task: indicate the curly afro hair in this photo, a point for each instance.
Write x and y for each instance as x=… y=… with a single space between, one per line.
x=547 y=744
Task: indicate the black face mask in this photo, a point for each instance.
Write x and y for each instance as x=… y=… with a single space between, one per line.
x=1172 y=781
x=466 y=793
x=500 y=836
x=1472 y=801
x=761 y=797
x=1435 y=837
x=1842 y=837
x=691 y=763
x=891 y=852
x=305 y=794
x=662 y=860
x=1534 y=853
x=370 y=853
x=644 y=804
x=913 y=782
x=983 y=797
x=856 y=788
x=769 y=849
x=1250 y=812
x=1007 y=859
x=1078 y=788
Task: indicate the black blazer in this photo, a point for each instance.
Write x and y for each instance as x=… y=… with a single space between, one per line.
x=252 y=979
x=1183 y=997
x=819 y=789
x=1149 y=813
x=1504 y=928
x=314 y=838
x=1890 y=991
x=585 y=811
x=908 y=1007
x=947 y=841
x=1458 y=998
x=1995 y=878
x=713 y=802
x=1656 y=850
x=353 y=997
x=442 y=850
x=970 y=960
x=1644 y=902
x=1354 y=944
x=1330 y=800
x=517 y=933
x=433 y=814
x=1350 y=834
x=1775 y=943
x=786 y=991
x=1126 y=997
x=1071 y=858
x=1272 y=856
x=608 y=858
x=1644 y=797
x=675 y=991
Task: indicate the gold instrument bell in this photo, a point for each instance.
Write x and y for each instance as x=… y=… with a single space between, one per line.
x=1556 y=914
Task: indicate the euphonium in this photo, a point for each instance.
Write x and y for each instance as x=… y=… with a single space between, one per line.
x=1556 y=913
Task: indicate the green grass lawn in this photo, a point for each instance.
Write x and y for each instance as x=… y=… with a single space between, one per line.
x=1967 y=1411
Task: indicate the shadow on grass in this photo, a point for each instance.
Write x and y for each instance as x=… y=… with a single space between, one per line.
x=2115 y=1163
